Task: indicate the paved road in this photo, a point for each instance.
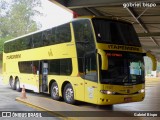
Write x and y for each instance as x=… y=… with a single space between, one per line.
x=151 y=102
x=8 y=103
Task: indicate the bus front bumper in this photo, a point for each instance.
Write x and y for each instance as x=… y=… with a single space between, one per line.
x=116 y=99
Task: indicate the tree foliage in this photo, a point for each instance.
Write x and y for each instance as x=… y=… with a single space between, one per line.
x=16 y=18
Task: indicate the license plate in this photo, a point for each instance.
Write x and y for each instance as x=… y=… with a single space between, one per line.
x=128 y=99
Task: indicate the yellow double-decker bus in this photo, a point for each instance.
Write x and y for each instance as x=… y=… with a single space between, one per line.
x=91 y=59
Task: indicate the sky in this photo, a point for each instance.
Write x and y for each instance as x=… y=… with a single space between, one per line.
x=53 y=15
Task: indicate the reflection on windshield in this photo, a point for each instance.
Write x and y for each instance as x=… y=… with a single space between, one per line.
x=115 y=32
x=123 y=67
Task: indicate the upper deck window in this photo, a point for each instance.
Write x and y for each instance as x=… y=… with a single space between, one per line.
x=56 y=35
x=115 y=32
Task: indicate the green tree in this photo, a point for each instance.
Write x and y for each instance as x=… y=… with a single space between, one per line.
x=16 y=18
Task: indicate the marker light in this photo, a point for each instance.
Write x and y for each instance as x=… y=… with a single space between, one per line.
x=107 y=92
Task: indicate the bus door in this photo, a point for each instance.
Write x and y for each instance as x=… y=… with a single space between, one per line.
x=44 y=76
x=91 y=79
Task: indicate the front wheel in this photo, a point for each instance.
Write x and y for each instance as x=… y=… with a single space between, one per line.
x=55 y=91
x=68 y=94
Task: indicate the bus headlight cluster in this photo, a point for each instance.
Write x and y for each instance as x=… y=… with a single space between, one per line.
x=107 y=92
x=141 y=91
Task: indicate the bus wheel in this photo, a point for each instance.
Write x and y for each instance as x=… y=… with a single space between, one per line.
x=55 y=91
x=12 y=84
x=10 y=81
x=68 y=94
x=18 y=85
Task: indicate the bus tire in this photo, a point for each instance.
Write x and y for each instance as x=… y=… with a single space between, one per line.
x=68 y=94
x=55 y=91
x=10 y=81
x=12 y=84
x=18 y=85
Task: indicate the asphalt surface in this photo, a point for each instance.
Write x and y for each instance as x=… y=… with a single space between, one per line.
x=9 y=104
x=151 y=103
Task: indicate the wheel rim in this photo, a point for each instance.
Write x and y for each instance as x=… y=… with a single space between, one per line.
x=55 y=91
x=69 y=94
x=17 y=85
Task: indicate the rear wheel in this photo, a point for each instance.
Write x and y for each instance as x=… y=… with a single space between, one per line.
x=18 y=85
x=12 y=83
x=55 y=91
x=68 y=94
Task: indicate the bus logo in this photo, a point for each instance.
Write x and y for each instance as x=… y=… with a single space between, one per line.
x=16 y=56
x=50 y=53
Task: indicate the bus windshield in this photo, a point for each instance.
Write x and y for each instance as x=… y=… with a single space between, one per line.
x=115 y=32
x=123 y=68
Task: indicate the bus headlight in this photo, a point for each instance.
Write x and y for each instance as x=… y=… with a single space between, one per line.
x=141 y=91
x=107 y=92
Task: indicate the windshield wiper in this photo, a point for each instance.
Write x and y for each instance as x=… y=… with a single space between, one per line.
x=125 y=77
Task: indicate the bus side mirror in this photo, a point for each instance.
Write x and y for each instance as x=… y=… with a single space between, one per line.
x=104 y=59
x=154 y=61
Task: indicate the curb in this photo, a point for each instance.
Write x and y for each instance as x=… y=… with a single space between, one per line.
x=55 y=114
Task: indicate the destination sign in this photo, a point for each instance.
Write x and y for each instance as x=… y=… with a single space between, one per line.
x=114 y=54
x=123 y=47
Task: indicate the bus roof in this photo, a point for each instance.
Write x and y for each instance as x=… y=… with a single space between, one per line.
x=110 y=18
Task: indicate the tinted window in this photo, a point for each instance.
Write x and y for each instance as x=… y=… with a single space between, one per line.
x=83 y=36
x=65 y=66
x=26 y=43
x=115 y=32
x=53 y=36
x=60 y=67
x=25 y=67
x=19 y=44
x=12 y=46
x=47 y=37
x=16 y=44
x=28 y=67
x=63 y=33
x=56 y=35
x=84 y=41
x=6 y=48
x=54 y=67
x=37 y=40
